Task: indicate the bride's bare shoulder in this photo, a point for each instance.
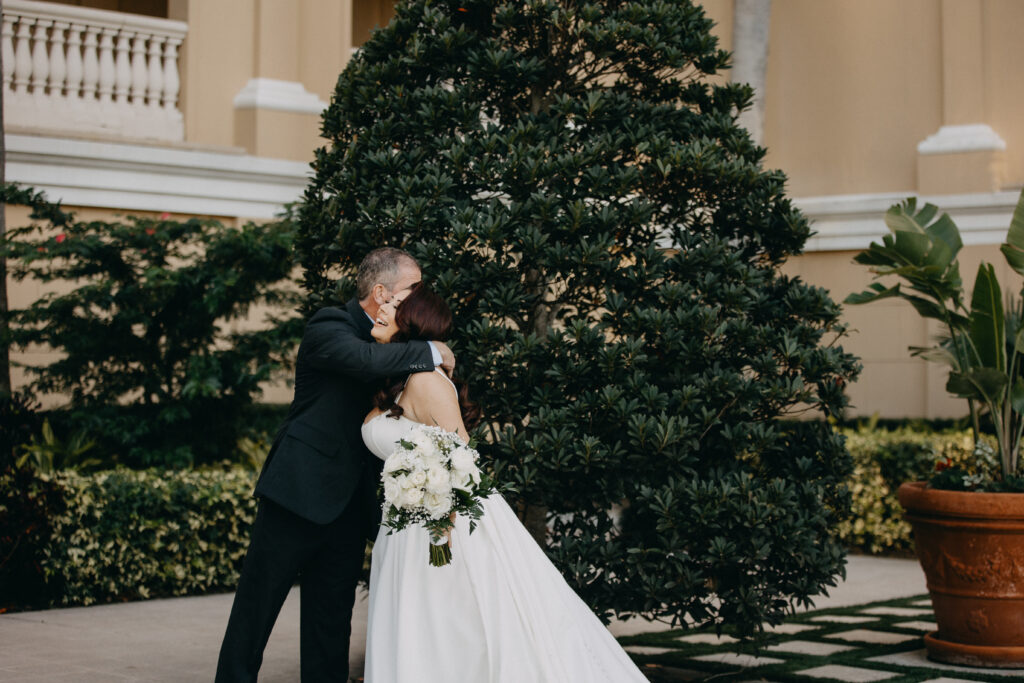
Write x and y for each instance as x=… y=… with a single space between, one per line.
x=431 y=385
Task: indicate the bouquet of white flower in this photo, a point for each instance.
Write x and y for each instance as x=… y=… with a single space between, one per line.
x=428 y=479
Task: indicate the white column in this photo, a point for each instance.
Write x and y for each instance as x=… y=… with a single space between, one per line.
x=750 y=31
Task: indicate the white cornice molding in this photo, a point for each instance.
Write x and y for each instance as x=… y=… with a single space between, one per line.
x=852 y=222
x=269 y=93
x=975 y=137
x=135 y=177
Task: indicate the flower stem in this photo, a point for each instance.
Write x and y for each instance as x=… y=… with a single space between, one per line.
x=440 y=555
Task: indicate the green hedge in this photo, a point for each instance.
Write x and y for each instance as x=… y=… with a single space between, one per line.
x=125 y=535
x=77 y=539
x=882 y=461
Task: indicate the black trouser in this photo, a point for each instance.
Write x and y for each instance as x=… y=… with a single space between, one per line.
x=327 y=559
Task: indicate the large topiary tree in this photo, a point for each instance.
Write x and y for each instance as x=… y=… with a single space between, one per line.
x=574 y=182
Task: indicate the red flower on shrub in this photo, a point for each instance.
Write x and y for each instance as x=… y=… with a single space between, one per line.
x=41 y=250
x=943 y=464
x=164 y=216
x=60 y=238
x=150 y=231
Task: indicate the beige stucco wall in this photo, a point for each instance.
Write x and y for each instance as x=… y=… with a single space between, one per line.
x=852 y=87
x=893 y=384
x=232 y=41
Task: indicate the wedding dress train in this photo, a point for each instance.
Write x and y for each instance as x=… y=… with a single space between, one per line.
x=499 y=613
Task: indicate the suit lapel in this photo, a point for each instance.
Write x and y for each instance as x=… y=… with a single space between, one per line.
x=360 y=319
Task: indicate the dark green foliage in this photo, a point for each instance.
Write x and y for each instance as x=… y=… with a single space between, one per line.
x=124 y=535
x=151 y=360
x=20 y=421
x=571 y=182
x=29 y=504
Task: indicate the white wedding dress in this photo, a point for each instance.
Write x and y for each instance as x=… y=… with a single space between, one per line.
x=499 y=613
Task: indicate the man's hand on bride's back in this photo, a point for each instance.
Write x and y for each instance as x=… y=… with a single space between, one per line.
x=447 y=357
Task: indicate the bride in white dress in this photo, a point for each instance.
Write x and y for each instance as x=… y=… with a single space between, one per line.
x=500 y=612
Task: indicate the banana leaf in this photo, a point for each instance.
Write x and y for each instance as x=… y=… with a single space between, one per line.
x=987 y=327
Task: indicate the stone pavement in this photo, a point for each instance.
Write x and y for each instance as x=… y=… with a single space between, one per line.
x=177 y=640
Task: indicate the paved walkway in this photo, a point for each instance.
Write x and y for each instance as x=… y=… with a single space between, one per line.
x=177 y=640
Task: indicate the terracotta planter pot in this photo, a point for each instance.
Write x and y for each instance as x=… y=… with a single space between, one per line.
x=971 y=547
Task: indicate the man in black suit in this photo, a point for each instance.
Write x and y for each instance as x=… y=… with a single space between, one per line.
x=317 y=490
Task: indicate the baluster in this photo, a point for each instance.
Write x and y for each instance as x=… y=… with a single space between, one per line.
x=107 y=75
x=8 y=52
x=40 y=61
x=156 y=71
x=171 y=82
x=23 y=56
x=139 y=71
x=58 y=64
x=74 y=61
x=174 y=126
x=90 y=64
x=122 y=68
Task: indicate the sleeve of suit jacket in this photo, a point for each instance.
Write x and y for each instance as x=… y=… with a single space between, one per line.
x=335 y=347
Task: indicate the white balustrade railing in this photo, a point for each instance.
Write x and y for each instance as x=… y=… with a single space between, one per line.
x=75 y=69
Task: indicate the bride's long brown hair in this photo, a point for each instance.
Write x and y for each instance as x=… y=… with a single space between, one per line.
x=423 y=316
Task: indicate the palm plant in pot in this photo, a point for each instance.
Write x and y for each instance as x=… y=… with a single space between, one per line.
x=968 y=520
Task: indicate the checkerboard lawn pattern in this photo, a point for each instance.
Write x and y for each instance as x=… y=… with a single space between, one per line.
x=878 y=641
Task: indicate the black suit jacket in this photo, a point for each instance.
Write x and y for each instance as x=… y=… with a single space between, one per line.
x=318 y=458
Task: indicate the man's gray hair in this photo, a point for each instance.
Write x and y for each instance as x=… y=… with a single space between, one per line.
x=380 y=266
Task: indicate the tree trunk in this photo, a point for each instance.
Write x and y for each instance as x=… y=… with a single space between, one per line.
x=5 y=349
x=750 y=28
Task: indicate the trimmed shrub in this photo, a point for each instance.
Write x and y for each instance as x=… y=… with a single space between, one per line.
x=882 y=461
x=29 y=504
x=125 y=535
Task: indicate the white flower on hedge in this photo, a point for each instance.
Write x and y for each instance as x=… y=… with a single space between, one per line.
x=437 y=505
x=438 y=479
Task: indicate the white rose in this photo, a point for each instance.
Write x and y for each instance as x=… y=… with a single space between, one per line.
x=438 y=480
x=461 y=480
x=463 y=459
x=418 y=477
x=432 y=459
x=422 y=441
x=437 y=505
x=393 y=463
x=411 y=497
